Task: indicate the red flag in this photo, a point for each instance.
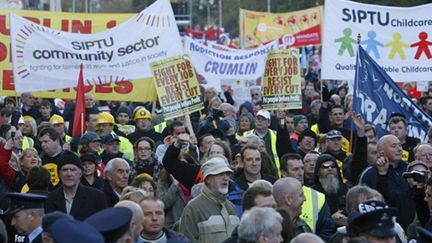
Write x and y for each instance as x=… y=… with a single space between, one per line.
x=79 y=113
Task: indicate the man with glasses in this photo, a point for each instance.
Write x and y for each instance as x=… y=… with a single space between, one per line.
x=73 y=198
x=329 y=181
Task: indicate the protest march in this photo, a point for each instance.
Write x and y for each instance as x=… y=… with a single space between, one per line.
x=313 y=125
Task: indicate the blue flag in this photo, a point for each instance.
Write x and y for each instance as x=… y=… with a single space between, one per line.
x=376 y=97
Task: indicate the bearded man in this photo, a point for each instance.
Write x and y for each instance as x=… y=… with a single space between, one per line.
x=328 y=180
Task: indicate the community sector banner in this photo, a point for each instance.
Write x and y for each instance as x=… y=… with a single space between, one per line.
x=281 y=80
x=396 y=38
x=233 y=71
x=376 y=97
x=177 y=86
x=299 y=28
x=128 y=90
x=121 y=53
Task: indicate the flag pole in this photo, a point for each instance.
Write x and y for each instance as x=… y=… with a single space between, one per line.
x=352 y=125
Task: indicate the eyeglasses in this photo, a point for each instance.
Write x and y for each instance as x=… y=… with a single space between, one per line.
x=328 y=166
x=144 y=149
x=256 y=94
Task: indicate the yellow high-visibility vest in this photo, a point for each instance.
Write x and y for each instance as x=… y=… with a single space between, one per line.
x=312 y=206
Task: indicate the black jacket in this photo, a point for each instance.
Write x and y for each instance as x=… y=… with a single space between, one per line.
x=86 y=202
x=243 y=183
x=110 y=196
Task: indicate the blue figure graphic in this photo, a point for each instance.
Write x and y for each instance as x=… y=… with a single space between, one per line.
x=371 y=44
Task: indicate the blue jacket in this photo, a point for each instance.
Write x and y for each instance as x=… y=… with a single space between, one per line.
x=394 y=189
x=235 y=195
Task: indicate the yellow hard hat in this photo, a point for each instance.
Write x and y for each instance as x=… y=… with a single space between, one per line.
x=56 y=119
x=105 y=117
x=142 y=113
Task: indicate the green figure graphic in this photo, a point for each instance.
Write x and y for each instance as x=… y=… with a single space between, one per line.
x=346 y=42
x=397 y=46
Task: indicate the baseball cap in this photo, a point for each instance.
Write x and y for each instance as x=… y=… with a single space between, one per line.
x=89 y=137
x=111 y=138
x=264 y=114
x=334 y=134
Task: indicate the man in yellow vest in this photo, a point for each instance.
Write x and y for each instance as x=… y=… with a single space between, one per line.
x=315 y=211
x=262 y=130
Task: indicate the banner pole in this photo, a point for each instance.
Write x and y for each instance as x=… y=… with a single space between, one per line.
x=189 y=125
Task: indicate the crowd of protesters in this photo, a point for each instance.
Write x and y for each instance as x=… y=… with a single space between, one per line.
x=224 y=174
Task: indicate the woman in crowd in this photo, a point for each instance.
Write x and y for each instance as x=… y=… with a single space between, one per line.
x=246 y=123
x=144 y=159
x=11 y=176
x=90 y=176
x=145 y=182
x=90 y=142
x=29 y=131
x=218 y=148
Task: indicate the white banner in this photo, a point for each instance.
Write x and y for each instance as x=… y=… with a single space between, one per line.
x=234 y=71
x=396 y=38
x=217 y=65
x=47 y=59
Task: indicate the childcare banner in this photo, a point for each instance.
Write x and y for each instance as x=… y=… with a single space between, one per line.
x=281 y=80
x=396 y=38
x=118 y=54
x=177 y=86
x=376 y=97
x=296 y=29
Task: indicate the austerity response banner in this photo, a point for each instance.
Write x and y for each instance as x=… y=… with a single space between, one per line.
x=282 y=81
x=299 y=28
x=177 y=86
x=396 y=38
x=121 y=53
x=235 y=71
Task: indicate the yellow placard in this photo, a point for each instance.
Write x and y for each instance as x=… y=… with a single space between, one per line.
x=257 y=28
x=136 y=90
x=177 y=86
x=282 y=81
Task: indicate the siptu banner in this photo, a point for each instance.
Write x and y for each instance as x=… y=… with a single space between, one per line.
x=282 y=81
x=376 y=97
x=128 y=90
x=121 y=53
x=177 y=86
x=396 y=38
x=296 y=29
